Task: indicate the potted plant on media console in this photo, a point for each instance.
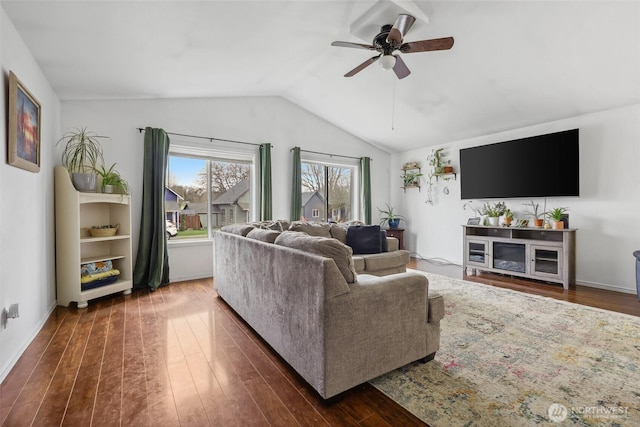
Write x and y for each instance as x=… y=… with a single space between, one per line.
x=538 y=217
x=493 y=211
x=82 y=152
x=389 y=217
x=556 y=217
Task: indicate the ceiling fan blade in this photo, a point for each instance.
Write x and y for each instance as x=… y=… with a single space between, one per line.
x=354 y=45
x=362 y=66
x=427 y=45
x=400 y=28
x=401 y=68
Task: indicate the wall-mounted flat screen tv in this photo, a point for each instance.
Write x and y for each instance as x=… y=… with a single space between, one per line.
x=538 y=166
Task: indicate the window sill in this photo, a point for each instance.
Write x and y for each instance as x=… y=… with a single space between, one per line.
x=189 y=242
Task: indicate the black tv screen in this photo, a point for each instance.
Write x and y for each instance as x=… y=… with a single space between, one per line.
x=538 y=166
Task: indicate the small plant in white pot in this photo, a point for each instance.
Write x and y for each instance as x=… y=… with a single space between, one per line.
x=82 y=152
x=493 y=211
x=555 y=215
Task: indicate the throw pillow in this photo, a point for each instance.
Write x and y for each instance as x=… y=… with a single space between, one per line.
x=320 y=229
x=323 y=246
x=364 y=239
x=239 y=229
x=263 y=235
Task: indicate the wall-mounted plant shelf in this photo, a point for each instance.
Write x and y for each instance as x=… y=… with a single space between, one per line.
x=445 y=175
x=414 y=182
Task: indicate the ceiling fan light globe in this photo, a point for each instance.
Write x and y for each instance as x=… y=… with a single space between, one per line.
x=387 y=62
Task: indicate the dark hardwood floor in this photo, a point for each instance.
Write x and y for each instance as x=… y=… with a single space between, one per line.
x=181 y=357
x=600 y=298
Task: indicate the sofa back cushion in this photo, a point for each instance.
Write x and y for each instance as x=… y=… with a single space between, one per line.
x=320 y=229
x=366 y=239
x=323 y=246
x=239 y=229
x=263 y=235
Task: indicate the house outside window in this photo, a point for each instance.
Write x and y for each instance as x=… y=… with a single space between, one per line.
x=329 y=188
x=211 y=191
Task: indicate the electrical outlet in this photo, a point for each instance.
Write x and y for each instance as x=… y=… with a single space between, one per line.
x=14 y=311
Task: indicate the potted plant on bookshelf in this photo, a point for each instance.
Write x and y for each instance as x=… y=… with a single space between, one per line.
x=82 y=152
x=493 y=211
x=389 y=217
x=112 y=180
x=538 y=217
x=555 y=215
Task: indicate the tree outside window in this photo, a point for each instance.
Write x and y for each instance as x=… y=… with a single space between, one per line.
x=327 y=188
x=205 y=193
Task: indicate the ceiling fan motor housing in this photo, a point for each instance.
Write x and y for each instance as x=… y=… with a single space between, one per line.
x=380 y=41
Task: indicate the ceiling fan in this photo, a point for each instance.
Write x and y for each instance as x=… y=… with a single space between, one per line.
x=390 y=40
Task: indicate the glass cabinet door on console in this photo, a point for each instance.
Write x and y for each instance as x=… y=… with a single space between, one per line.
x=546 y=261
x=477 y=253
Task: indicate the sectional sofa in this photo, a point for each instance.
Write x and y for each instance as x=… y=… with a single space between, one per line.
x=302 y=294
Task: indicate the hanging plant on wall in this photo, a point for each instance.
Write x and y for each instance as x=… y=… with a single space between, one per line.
x=440 y=168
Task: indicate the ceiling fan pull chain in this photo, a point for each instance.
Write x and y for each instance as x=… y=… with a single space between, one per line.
x=393 y=102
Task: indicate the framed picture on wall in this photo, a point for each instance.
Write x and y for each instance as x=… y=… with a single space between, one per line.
x=24 y=127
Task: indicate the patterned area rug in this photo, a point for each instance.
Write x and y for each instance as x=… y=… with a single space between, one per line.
x=511 y=359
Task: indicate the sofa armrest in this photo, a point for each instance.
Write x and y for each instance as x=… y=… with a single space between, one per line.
x=377 y=327
x=393 y=244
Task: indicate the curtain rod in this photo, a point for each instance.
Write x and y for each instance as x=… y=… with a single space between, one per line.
x=329 y=154
x=210 y=138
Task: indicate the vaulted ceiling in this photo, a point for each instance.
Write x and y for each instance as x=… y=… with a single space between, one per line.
x=513 y=64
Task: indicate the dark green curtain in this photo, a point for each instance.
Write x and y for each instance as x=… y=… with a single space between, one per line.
x=266 y=196
x=365 y=182
x=152 y=262
x=296 y=185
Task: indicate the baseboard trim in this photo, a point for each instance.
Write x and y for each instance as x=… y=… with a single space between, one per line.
x=606 y=287
x=27 y=342
x=186 y=278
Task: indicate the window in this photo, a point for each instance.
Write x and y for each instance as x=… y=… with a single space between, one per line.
x=206 y=192
x=328 y=188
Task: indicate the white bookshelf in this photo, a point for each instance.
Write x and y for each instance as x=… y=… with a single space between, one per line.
x=76 y=213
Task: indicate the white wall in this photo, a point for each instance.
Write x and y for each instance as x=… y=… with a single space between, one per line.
x=27 y=246
x=253 y=119
x=606 y=213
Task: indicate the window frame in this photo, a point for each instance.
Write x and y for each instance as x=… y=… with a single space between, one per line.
x=206 y=151
x=353 y=164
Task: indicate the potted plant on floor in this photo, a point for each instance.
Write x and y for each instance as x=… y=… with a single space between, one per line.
x=538 y=217
x=112 y=180
x=389 y=217
x=82 y=152
x=493 y=211
x=555 y=215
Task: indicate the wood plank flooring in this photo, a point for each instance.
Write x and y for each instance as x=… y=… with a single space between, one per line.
x=181 y=357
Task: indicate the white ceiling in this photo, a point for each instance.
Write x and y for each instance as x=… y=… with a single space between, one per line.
x=514 y=63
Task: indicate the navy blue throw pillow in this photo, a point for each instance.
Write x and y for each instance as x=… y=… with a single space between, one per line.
x=365 y=239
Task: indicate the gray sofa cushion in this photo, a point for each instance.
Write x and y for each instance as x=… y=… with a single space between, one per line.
x=386 y=260
x=265 y=235
x=323 y=246
x=239 y=229
x=278 y=225
x=320 y=229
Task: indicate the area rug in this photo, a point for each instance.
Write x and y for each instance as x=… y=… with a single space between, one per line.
x=511 y=359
